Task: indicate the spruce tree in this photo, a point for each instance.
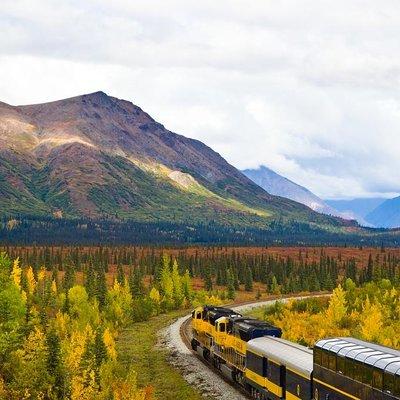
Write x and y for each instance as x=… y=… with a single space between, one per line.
x=230 y=285
x=54 y=362
x=69 y=277
x=248 y=280
x=120 y=274
x=101 y=290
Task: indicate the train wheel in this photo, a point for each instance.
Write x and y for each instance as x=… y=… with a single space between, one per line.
x=194 y=344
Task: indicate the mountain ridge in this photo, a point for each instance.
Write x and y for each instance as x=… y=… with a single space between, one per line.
x=387 y=214
x=279 y=185
x=97 y=156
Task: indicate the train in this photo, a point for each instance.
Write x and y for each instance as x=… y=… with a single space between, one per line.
x=253 y=354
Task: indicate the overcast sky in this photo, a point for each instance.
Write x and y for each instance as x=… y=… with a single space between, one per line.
x=307 y=88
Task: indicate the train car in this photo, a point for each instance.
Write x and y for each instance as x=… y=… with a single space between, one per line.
x=203 y=326
x=220 y=335
x=348 y=368
x=251 y=353
x=278 y=369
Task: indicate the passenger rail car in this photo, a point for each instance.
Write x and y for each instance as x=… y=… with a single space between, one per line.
x=253 y=354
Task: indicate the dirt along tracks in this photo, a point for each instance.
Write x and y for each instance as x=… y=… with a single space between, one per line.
x=198 y=373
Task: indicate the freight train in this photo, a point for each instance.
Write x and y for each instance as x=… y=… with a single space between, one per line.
x=253 y=354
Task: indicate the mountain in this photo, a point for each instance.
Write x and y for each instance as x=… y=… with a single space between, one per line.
x=278 y=185
x=386 y=215
x=356 y=208
x=98 y=156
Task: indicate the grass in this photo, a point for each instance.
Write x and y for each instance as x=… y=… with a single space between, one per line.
x=136 y=346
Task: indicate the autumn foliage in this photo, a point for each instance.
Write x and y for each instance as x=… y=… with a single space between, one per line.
x=370 y=312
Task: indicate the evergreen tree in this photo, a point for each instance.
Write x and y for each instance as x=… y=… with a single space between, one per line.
x=120 y=274
x=69 y=277
x=248 y=281
x=101 y=290
x=136 y=284
x=231 y=285
x=100 y=350
x=208 y=283
x=370 y=269
x=54 y=363
x=90 y=282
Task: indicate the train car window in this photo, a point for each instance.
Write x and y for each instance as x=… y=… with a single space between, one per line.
x=243 y=335
x=255 y=363
x=349 y=368
x=358 y=371
x=388 y=383
x=274 y=373
x=222 y=327
x=367 y=376
x=377 y=379
x=317 y=355
x=340 y=365
x=198 y=315
x=397 y=385
x=325 y=359
x=332 y=362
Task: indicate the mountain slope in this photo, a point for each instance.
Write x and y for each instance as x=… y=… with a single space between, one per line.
x=386 y=215
x=98 y=156
x=278 y=185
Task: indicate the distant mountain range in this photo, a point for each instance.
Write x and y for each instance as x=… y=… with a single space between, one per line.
x=278 y=185
x=357 y=208
x=369 y=212
x=386 y=214
x=98 y=156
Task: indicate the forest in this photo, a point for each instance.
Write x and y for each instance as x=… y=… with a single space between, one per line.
x=58 y=329
x=63 y=309
x=276 y=269
x=30 y=230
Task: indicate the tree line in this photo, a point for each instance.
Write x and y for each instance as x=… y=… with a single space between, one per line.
x=28 y=230
x=310 y=270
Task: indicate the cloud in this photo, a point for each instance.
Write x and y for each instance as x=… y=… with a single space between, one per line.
x=307 y=88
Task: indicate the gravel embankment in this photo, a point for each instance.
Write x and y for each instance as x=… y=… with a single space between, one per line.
x=195 y=372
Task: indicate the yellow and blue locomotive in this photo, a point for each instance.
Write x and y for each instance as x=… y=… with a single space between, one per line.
x=253 y=354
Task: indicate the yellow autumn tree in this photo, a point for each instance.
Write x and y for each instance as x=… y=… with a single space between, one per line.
x=54 y=287
x=84 y=386
x=30 y=363
x=31 y=281
x=41 y=274
x=371 y=321
x=75 y=348
x=3 y=390
x=109 y=342
x=16 y=273
x=337 y=309
x=177 y=292
x=156 y=299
